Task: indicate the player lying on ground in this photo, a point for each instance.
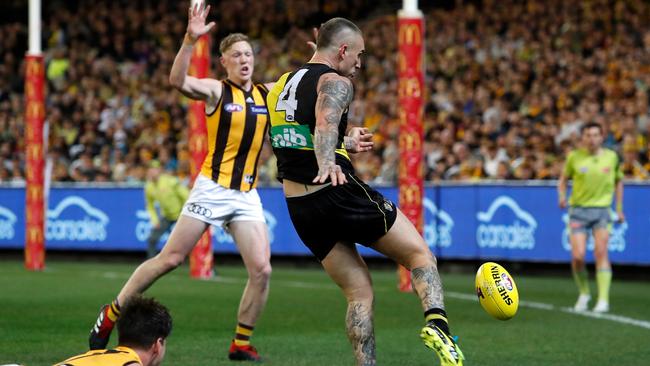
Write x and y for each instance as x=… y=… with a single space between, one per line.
x=142 y=331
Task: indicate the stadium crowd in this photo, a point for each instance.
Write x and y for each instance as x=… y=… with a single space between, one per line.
x=509 y=84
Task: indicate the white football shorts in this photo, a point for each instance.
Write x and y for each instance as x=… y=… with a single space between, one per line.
x=219 y=206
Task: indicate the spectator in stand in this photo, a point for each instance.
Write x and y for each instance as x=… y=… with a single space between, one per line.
x=520 y=75
x=83 y=169
x=631 y=166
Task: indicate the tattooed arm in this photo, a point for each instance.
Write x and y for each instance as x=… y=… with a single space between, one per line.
x=334 y=96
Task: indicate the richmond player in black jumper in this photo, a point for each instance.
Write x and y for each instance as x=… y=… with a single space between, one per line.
x=330 y=207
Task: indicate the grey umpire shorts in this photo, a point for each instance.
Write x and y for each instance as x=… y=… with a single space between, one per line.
x=584 y=219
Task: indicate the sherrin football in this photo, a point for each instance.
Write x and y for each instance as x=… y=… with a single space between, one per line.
x=496 y=291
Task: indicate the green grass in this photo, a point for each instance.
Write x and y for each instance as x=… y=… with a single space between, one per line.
x=45 y=317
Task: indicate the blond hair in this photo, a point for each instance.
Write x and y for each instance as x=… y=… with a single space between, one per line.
x=231 y=39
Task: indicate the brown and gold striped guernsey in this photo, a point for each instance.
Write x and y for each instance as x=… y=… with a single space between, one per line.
x=106 y=357
x=236 y=131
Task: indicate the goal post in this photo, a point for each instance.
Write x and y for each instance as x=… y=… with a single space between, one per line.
x=34 y=146
x=410 y=74
x=201 y=257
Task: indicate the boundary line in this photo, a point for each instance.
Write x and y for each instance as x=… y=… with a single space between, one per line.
x=451 y=294
x=550 y=307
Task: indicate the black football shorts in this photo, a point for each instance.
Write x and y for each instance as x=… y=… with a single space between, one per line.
x=351 y=212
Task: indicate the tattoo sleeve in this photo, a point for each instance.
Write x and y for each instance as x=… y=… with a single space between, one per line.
x=348 y=142
x=334 y=96
x=427 y=284
x=361 y=332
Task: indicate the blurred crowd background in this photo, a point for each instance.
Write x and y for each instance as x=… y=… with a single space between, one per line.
x=509 y=83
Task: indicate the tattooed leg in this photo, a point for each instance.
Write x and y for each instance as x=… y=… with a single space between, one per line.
x=427 y=284
x=361 y=332
x=348 y=270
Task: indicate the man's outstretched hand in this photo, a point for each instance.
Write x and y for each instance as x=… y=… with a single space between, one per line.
x=359 y=139
x=196 y=26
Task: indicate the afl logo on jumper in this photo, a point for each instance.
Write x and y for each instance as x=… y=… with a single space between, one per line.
x=233 y=107
x=199 y=210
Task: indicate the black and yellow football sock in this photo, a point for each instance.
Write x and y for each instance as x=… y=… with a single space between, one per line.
x=243 y=334
x=113 y=311
x=438 y=317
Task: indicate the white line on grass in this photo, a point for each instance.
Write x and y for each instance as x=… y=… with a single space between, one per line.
x=543 y=306
x=613 y=317
x=463 y=296
x=455 y=295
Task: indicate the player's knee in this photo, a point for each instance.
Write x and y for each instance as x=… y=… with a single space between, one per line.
x=261 y=273
x=360 y=293
x=578 y=260
x=600 y=252
x=170 y=261
x=421 y=258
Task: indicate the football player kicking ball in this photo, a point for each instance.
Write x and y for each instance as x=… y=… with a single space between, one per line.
x=332 y=209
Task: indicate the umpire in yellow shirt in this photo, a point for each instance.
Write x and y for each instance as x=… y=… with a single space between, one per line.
x=170 y=195
x=596 y=175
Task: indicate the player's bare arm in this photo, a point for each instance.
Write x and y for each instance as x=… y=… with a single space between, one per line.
x=201 y=89
x=358 y=139
x=334 y=96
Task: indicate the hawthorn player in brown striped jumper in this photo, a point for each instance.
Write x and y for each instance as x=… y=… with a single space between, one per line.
x=224 y=193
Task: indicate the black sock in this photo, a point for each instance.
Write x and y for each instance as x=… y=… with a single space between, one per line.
x=438 y=317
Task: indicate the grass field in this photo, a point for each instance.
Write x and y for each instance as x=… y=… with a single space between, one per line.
x=45 y=317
